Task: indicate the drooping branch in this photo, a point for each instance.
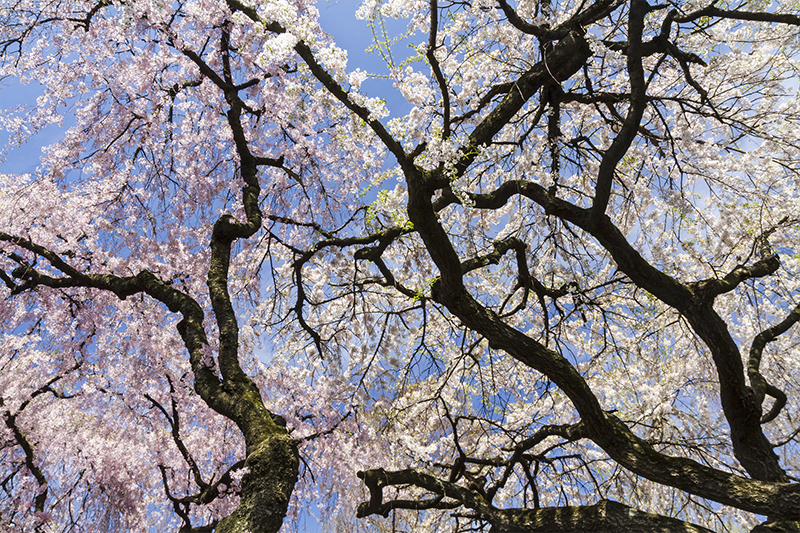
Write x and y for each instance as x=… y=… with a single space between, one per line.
x=362 y=112
x=31 y=462
x=30 y=458
x=173 y=420
x=758 y=383
x=272 y=457
x=370 y=248
x=298 y=308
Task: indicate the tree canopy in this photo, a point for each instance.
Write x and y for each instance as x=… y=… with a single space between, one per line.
x=559 y=294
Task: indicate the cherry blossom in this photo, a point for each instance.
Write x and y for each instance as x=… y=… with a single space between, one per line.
x=238 y=294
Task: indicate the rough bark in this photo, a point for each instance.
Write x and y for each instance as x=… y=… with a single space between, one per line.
x=273 y=465
x=604 y=517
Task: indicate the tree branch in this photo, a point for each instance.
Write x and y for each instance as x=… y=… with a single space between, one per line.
x=622 y=142
x=707 y=290
x=376 y=479
x=605 y=516
x=758 y=383
x=437 y=71
x=30 y=459
x=754 y=16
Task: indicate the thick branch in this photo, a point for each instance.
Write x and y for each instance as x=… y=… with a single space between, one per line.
x=707 y=290
x=568 y=432
x=375 y=480
x=712 y=11
x=492 y=258
x=605 y=516
x=594 y=12
x=191 y=327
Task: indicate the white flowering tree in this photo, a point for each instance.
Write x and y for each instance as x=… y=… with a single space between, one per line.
x=560 y=294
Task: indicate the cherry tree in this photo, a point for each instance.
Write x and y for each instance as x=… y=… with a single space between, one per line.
x=139 y=240
x=559 y=294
